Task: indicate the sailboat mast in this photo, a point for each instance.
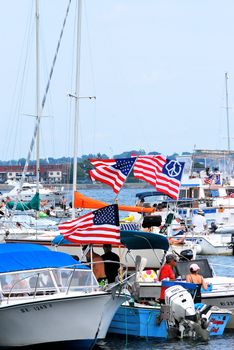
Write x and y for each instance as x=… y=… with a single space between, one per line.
x=37 y=96
x=77 y=92
x=227 y=111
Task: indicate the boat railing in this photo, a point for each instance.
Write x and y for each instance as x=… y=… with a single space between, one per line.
x=122 y=273
x=48 y=282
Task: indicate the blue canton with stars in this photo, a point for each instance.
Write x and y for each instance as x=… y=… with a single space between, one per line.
x=108 y=215
x=124 y=165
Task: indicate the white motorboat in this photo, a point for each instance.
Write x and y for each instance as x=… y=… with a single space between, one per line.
x=20 y=231
x=49 y=297
x=212 y=243
x=43 y=223
x=221 y=292
x=218 y=242
x=28 y=191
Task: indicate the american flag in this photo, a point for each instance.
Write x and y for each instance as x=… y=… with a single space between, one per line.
x=208 y=179
x=112 y=172
x=164 y=174
x=100 y=226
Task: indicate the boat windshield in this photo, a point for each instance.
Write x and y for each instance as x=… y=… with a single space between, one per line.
x=47 y=281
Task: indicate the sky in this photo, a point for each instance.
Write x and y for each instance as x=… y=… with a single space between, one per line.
x=156 y=67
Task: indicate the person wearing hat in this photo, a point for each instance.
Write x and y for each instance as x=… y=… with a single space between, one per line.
x=166 y=272
x=199 y=222
x=97 y=263
x=195 y=277
x=176 y=228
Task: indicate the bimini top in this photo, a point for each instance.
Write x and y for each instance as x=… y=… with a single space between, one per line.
x=142 y=195
x=143 y=240
x=20 y=256
x=132 y=240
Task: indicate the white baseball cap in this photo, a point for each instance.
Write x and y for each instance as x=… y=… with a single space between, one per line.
x=194 y=267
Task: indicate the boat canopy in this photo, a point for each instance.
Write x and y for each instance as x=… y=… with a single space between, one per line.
x=156 y=196
x=34 y=203
x=27 y=256
x=142 y=195
x=143 y=240
x=132 y=240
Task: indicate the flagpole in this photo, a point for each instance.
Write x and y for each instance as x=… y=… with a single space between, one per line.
x=91 y=255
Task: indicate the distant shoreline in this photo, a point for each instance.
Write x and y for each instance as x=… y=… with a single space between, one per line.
x=5 y=187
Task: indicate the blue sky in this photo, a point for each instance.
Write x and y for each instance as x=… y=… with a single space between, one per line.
x=156 y=67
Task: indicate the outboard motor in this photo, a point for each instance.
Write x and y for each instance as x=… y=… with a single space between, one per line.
x=181 y=303
x=186 y=255
x=183 y=314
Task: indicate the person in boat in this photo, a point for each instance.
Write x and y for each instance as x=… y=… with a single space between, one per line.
x=52 y=212
x=167 y=273
x=199 y=222
x=18 y=225
x=97 y=264
x=63 y=203
x=111 y=261
x=2 y=208
x=195 y=277
x=8 y=199
x=177 y=228
x=140 y=203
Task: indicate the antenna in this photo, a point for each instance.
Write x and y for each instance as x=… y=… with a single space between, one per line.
x=227 y=111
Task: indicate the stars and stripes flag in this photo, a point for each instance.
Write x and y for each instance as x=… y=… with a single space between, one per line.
x=112 y=172
x=164 y=174
x=99 y=226
x=208 y=179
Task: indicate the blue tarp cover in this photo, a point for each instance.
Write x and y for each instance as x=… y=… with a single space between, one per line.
x=20 y=256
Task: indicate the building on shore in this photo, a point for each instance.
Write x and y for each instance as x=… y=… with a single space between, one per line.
x=49 y=173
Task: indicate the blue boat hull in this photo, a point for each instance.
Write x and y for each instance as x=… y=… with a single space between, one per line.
x=144 y=322
x=139 y=321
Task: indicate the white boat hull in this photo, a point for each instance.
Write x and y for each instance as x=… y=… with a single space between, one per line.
x=222 y=295
x=43 y=321
x=213 y=244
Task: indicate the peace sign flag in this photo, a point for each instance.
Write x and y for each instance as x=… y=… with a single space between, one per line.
x=163 y=173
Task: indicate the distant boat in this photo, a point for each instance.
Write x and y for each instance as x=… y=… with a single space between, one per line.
x=28 y=191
